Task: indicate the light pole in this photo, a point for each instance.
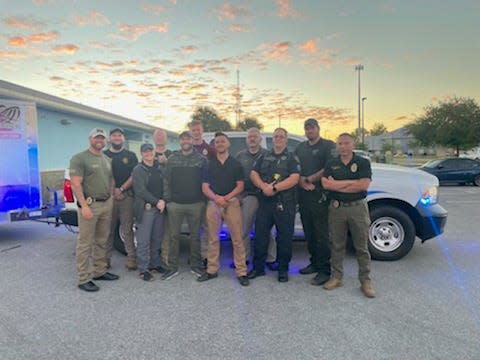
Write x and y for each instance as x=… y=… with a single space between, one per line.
x=363 y=121
x=359 y=68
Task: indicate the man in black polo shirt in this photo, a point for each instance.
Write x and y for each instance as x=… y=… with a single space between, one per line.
x=313 y=154
x=123 y=162
x=348 y=178
x=222 y=186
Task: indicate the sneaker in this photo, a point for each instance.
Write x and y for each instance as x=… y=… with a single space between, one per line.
x=158 y=269
x=131 y=264
x=320 y=279
x=206 y=276
x=333 y=283
x=169 y=274
x=146 y=276
x=282 y=276
x=89 y=286
x=197 y=271
x=243 y=280
x=367 y=289
x=272 y=266
x=307 y=270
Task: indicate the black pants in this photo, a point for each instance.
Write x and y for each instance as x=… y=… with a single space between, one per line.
x=314 y=215
x=270 y=214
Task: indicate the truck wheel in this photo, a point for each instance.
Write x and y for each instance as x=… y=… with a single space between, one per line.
x=118 y=242
x=391 y=235
x=476 y=181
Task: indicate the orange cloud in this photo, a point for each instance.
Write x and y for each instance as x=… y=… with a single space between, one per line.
x=286 y=9
x=308 y=47
x=277 y=51
x=20 y=23
x=133 y=32
x=56 y=78
x=94 y=18
x=68 y=49
x=190 y=49
x=22 y=41
x=240 y=28
x=155 y=9
x=401 y=118
x=232 y=12
x=11 y=54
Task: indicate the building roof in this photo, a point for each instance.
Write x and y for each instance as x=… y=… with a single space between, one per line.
x=55 y=103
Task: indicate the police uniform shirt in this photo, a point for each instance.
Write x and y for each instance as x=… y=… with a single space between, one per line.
x=247 y=159
x=277 y=167
x=223 y=177
x=123 y=163
x=357 y=168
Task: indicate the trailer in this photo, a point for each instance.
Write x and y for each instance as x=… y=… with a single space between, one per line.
x=20 y=181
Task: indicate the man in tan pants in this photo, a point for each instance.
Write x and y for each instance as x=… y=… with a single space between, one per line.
x=222 y=185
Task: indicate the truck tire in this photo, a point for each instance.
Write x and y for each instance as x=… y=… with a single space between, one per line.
x=391 y=235
x=118 y=242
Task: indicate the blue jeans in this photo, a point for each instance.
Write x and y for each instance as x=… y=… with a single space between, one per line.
x=149 y=239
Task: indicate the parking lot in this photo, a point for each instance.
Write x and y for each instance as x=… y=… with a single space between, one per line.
x=427 y=304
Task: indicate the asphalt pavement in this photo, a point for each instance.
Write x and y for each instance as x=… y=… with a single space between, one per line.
x=427 y=304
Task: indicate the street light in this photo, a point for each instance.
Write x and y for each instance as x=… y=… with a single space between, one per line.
x=363 y=121
x=359 y=68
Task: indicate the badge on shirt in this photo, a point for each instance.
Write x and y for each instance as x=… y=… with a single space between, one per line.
x=205 y=152
x=148 y=206
x=276 y=177
x=125 y=160
x=89 y=200
x=354 y=167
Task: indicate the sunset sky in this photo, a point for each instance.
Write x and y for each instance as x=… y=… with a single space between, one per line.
x=156 y=61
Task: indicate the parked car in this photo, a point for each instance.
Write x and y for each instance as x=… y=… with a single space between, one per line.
x=472 y=153
x=454 y=170
x=402 y=203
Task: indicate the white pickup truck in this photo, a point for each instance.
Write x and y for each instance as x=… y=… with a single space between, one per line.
x=403 y=204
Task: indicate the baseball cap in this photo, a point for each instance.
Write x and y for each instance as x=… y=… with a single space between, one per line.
x=184 y=133
x=97 y=132
x=117 y=129
x=146 y=147
x=310 y=122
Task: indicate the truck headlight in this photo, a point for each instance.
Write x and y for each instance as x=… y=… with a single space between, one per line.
x=430 y=196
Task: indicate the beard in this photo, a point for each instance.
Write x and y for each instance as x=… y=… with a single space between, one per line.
x=117 y=146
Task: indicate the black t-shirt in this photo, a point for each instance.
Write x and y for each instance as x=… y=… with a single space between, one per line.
x=314 y=157
x=357 y=168
x=223 y=177
x=123 y=163
x=155 y=180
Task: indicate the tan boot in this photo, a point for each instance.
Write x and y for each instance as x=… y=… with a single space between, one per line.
x=333 y=283
x=367 y=289
x=131 y=264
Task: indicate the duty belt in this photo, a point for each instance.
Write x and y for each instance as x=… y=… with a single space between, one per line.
x=90 y=200
x=338 y=203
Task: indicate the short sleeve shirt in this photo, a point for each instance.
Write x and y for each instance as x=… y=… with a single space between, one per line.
x=223 y=177
x=123 y=163
x=357 y=168
x=96 y=171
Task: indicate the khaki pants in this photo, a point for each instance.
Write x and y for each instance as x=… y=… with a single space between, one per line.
x=233 y=217
x=356 y=219
x=123 y=213
x=92 y=241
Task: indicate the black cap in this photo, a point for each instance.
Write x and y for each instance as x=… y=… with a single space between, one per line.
x=146 y=147
x=310 y=122
x=120 y=130
x=185 y=133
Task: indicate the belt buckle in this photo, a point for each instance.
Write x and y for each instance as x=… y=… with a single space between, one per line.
x=148 y=206
x=89 y=200
x=336 y=204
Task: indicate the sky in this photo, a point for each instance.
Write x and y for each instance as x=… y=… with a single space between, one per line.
x=279 y=61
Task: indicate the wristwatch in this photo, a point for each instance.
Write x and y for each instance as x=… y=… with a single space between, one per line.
x=122 y=189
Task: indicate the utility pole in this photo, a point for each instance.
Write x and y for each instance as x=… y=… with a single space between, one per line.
x=363 y=121
x=238 y=104
x=359 y=68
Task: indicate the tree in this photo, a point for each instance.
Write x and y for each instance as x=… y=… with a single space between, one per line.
x=211 y=120
x=454 y=123
x=248 y=123
x=378 y=129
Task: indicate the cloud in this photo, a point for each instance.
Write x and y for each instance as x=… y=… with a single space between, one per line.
x=401 y=118
x=94 y=18
x=21 y=23
x=11 y=54
x=286 y=9
x=68 y=49
x=133 y=32
x=276 y=51
x=151 y=8
x=334 y=35
x=42 y=2
x=22 y=41
x=245 y=28
x=232 y=12
x=189 y=49
x=308 y=47
x=56 y=78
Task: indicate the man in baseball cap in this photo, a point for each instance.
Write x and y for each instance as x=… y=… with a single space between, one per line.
x=97 y=132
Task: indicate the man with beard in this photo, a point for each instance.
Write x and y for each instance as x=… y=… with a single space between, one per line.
x=183 y=192
x=313 y=154
x=92 y=184
x=123 y=162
